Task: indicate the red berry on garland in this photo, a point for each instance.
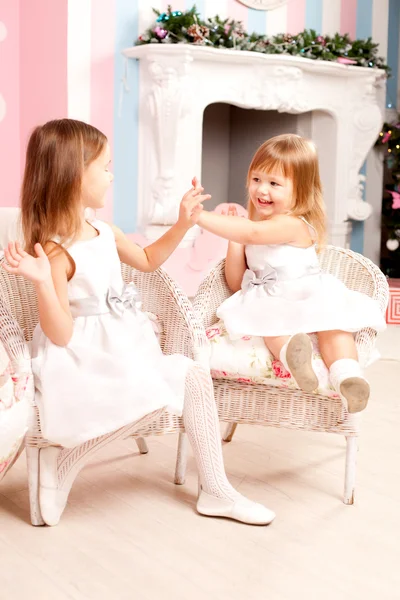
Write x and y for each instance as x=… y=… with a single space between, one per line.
x=321 y=40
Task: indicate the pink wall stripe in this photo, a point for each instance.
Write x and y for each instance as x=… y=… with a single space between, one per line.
x=102 y=77
x=43 y=64
x=9 y=89
x=238 y=11
x=348 y=17
x=296 y=16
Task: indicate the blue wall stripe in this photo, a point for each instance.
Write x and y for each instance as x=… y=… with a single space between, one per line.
x=125 y=118
x=200 y=7
x=357 y=232
x=363 y=30
x=393 y=52
x=314 y=15
x=364 y=19
x=257 y=21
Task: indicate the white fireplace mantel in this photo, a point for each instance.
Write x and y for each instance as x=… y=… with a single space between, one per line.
x=178 y=81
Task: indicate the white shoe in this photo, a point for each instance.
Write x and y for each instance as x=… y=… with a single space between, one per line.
x=241 y=509
x=52 y=500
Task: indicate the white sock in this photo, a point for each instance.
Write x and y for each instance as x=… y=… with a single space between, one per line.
x=342 y=369
x=282 y=355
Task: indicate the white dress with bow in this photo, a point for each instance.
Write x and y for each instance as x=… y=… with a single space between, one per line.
x=112 y=372
x=284 y=292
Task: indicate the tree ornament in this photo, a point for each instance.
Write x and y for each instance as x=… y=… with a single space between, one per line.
x=392 y=245
x=160 y=32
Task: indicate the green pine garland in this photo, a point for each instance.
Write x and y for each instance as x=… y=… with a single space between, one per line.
x=176 y=27
x=389 y=138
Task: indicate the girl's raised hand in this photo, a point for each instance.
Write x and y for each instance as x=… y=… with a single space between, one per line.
x=192 y=204
x=20 y=262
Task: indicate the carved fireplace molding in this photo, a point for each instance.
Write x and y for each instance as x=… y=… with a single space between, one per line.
x=177 y=82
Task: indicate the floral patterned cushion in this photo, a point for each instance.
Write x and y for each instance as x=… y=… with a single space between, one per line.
x=247 y=360
x=14 y=410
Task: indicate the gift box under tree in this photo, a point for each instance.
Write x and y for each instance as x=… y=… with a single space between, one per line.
x=393 y=309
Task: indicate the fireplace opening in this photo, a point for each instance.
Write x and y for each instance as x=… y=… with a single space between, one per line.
x=232 y=134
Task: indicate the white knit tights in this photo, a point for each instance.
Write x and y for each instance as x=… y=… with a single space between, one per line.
x=202 y=427
x=60 y=466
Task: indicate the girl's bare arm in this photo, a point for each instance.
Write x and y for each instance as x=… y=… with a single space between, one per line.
x=153 y=256
x=235 y=266
x=282 y=229
x=54 y=312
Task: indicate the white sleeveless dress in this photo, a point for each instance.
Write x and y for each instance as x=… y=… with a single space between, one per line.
x=284 y=292
x=112 y=372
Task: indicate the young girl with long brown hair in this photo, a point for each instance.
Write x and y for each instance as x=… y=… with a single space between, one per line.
x=95 y=357
x=272 y=265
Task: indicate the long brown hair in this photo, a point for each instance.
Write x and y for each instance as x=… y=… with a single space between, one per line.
x=296 y=158
x=56 y=156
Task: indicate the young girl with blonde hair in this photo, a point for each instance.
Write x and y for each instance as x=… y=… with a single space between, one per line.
x=272 y=265
x=95 y=358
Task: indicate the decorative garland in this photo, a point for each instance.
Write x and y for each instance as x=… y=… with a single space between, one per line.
x=390 y=139
x=176 y=27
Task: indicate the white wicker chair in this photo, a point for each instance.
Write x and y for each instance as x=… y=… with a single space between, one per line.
x=181 y=334
x=279 y=407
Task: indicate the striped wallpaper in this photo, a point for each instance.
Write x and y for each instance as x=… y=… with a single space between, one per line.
x=67 y=57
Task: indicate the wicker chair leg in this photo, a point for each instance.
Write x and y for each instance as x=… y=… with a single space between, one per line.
x=32 y=459
x=61 y=466
x=142 y=445
x=350 y=472
x=181 y=459
x=229 y=431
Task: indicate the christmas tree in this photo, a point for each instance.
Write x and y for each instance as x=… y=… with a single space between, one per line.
x=389 y=138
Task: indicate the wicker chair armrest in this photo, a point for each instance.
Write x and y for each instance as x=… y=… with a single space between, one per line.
x=365 y=341
x=14 y=343
x=182 y=331
x=13 y=340
x=210 y=295
x=357 y=272
x=361 y=274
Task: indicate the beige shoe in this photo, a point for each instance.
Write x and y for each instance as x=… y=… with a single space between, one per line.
x=241 y=509
x=347 y=379
x=356 y=392
x=299 y=360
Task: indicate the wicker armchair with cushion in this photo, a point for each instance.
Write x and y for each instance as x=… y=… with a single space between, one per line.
x=269 y=400
x=180 y=333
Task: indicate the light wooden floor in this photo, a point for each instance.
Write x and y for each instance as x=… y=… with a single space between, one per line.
x=129 y=533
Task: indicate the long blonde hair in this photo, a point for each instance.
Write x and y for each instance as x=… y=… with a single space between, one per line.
x=56 y=157
x=296 y=158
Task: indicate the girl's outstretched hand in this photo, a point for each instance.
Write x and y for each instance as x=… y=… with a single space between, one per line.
x=20 y=262
x=192 y=204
